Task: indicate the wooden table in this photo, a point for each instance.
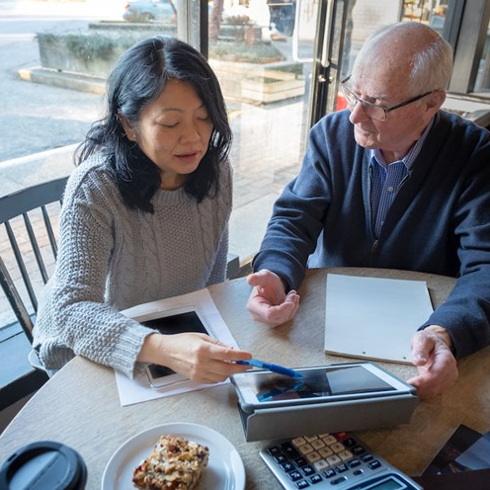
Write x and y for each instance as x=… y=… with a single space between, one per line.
x=80 y=407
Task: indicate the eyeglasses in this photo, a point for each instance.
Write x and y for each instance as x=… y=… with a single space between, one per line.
x=371 y=110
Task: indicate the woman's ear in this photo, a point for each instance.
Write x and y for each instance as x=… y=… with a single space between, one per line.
x=130 y=133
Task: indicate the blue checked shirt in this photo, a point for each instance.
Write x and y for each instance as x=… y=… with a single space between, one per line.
x=387 y=179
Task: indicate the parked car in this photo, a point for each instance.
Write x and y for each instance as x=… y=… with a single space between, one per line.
x=282 y=14
x=148 y=10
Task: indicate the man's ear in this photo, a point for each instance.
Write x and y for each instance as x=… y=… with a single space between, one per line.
x=435 y=100
x=130 y=133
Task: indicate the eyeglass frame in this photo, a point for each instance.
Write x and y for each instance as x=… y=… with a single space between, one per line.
x=386 y=110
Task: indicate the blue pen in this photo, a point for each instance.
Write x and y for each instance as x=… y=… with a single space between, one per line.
x=275 y=368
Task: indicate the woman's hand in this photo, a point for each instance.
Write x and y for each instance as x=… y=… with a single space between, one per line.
x=194 y=355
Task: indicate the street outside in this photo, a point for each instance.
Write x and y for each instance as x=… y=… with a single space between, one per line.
x=36 y=117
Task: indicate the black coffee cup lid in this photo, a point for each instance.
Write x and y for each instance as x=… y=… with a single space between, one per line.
x=44 y=465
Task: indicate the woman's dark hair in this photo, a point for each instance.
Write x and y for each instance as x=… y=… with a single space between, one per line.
x=137 y=79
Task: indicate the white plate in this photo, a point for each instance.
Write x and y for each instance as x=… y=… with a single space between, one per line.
x=225 y=469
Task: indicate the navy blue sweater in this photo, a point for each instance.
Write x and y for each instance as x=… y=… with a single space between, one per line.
x=439 y=221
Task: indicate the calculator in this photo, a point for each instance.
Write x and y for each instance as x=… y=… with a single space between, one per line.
x=332 y=461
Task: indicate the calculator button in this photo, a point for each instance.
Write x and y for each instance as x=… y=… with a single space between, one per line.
x=326 y=452
x=341 y=468
x=342 y=436
x=329 y=440
x=298 y=441
x=301 y=462
x=354 y=462
x=274 y=450
x=358 y=450
x=287 y=467
x=308 y=470
x=311 y=438
x=290 y=450
x=374 y=464
x=367 y=457
x=302 y=484
x=337 y=447
x=316 y=479
x=321 y=465
x=295 y=475
x=338 y=480
x=318 y=444
x=358 y=472
x=305 y=449
x=280 y=458
x=333 y=460
x=345 y=455
x=313 y=457
x=349 y=442
x=329 y=473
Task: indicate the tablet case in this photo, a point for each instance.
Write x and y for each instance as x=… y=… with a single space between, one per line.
x=374 y=318
x=303 y=420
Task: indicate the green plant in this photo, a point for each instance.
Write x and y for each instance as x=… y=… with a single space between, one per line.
x=238 y=20
x=92 y=45
x=239 y=51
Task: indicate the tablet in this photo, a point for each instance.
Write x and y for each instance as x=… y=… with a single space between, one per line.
x=169 y=322
x=335 y=382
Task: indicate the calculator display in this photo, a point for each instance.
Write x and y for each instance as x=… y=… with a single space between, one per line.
x=387 y=485
x=317 y=383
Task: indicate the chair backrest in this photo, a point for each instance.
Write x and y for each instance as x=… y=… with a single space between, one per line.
x=30 y=219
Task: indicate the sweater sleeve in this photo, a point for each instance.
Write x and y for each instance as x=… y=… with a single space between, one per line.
x=466 y=312
x=73 y=317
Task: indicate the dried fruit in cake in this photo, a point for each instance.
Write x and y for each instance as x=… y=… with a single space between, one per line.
x=174 y=464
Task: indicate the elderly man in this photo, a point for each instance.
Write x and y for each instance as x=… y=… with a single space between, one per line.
x=394 y=182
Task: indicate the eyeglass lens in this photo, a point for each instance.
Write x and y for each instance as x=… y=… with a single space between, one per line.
x=371 y=110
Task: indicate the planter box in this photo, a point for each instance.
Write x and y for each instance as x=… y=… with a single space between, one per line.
x=256 y=83
x=87 y=53
x=94 y=54
x=57 y=58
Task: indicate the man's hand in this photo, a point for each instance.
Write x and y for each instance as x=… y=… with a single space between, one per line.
x=268 y=302
x=431 y=353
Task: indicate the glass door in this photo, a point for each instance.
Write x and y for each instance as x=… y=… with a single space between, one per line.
x=279 y=63
x=266 y=87
x=343 y=26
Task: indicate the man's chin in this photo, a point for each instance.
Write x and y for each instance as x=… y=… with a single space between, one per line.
x=366 y=140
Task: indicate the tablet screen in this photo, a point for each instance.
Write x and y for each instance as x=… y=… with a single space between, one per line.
x=317 y=383
x=187 y=321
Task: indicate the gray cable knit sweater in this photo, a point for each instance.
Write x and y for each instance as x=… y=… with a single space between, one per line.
x=111 y=258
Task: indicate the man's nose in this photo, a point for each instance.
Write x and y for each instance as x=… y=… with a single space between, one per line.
x=357 y=113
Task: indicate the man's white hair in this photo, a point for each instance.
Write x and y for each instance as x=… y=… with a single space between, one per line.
x=431 y=65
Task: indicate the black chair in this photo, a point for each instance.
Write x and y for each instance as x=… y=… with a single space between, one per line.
x=27 y=259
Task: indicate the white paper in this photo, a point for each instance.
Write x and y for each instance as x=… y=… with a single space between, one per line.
x=139 y=389
x=374 y=318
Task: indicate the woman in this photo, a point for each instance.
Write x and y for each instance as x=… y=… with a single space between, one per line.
x=145 y=216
